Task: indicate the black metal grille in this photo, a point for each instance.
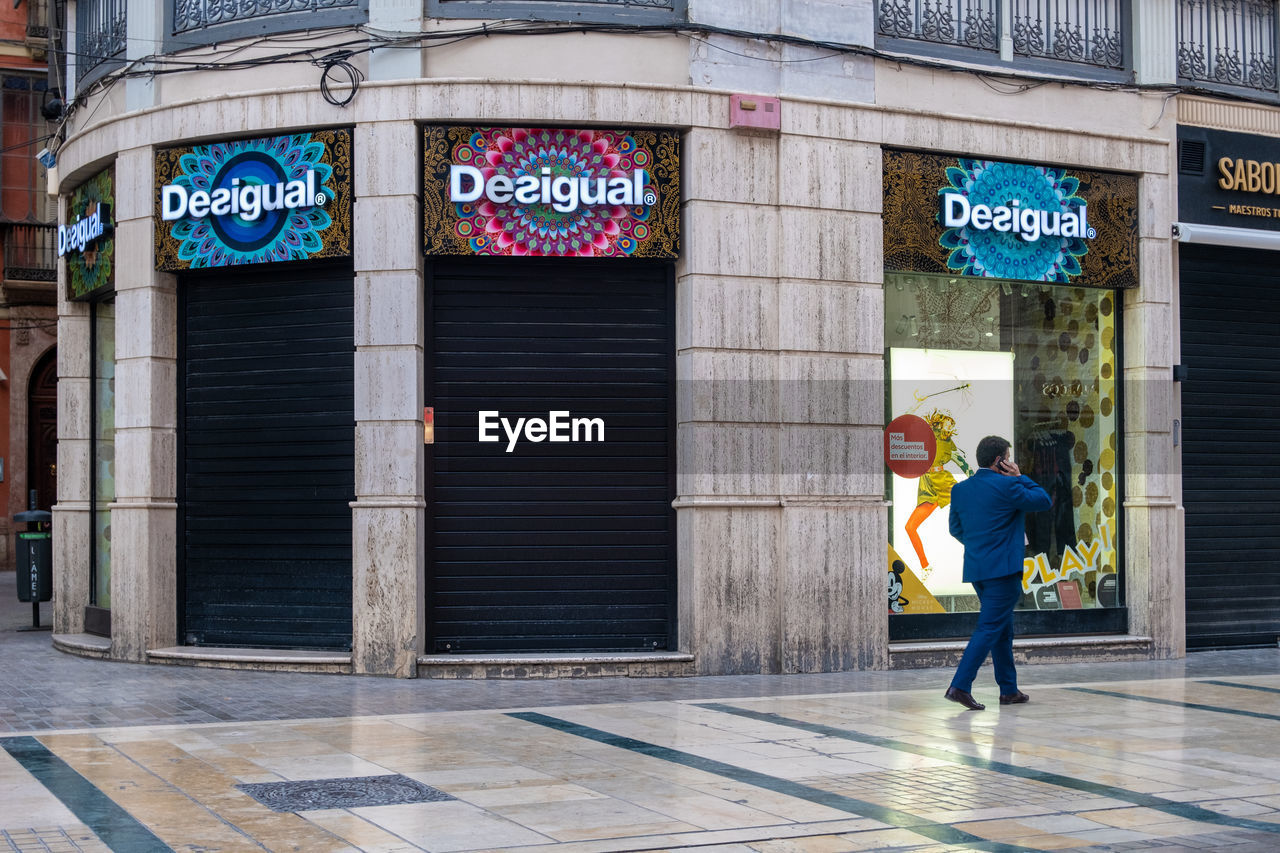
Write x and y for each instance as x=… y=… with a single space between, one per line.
x=194 y=14
x=1087 y=31
x=966 y=23
x=1228 y=42
x=101 y=31
x=30 y=253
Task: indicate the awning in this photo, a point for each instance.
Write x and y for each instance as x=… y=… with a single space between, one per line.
x=1221 y=235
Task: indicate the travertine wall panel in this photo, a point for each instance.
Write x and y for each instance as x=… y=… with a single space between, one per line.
x=834 y=616
x=722 y=312
x=815 y=316
x=729 y=588
x=830 y=174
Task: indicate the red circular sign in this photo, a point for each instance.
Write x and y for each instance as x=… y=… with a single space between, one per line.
x=909 y=445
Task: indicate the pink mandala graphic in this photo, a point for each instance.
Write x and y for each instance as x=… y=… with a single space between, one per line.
x=591 y=230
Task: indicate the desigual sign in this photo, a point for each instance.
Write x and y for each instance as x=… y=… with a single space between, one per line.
x=251 y=201
x=87 y=240
x=554 y=192
x=965 y=216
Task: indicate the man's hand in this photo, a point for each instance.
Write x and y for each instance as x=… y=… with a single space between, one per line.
x=1008 y=467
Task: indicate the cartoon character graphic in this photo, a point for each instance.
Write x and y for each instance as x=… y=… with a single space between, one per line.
x=897 y=603
x=934 y=489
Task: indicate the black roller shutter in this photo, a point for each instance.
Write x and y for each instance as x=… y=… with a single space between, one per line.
x=1230 y=457
x=267 y=457
x=552 y=547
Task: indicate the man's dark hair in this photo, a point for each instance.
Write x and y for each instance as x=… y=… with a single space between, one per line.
x=990 y=449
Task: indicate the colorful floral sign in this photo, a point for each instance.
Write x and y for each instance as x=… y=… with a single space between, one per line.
x=87 y=239
x=554 y=192
x=966 y=216
x=253 y=201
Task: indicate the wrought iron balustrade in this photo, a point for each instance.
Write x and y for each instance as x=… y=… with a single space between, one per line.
x=560 y=10
x=101 y=30
x=1087 y=31
x=191 y=15
x=1228 y=42
x=37 y=19
x=30 y=253
x=1090 y=32
x=965 y=23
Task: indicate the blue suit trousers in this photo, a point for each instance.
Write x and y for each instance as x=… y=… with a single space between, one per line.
x=994 y=635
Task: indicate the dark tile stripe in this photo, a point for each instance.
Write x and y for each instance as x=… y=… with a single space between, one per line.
x=1241 y=686
x=1239 y=712
x=118 y=829
x=1184 y=810
x=929 y=829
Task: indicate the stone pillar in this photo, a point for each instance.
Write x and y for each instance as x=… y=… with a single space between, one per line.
x=1155 y=42
x=396 y=17
x=144 y=516
x=831 y=337
x=1154 y=557
x=144 y=26
x=388 y=515
x=71 y=519
x=781 y=517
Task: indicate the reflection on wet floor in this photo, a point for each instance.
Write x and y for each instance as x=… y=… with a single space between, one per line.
x=1120 y=765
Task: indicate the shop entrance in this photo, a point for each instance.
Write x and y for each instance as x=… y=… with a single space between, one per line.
x=42 y=431
x=266 y=457
x=1230 y=458
x=537 y=544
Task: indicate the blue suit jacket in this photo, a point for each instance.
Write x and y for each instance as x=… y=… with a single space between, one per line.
x=987 y=513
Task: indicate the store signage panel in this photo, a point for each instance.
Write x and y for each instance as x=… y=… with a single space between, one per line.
x=964 y=216
x=554 y=192
x=252 y=201
x=1230 y=179
x=87 y=239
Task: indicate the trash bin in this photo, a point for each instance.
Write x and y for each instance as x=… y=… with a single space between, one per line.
x=35 y=561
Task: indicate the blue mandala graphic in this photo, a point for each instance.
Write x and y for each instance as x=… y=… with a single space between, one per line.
x=276 y=235
x=1001 y=254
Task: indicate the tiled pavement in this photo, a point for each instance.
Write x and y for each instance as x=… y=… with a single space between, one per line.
x=97 y=756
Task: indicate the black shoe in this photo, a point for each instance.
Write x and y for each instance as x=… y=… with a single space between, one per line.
x=955 y=694
x=1016 y=699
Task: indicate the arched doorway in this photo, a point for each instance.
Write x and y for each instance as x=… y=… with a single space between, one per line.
x=42 y=431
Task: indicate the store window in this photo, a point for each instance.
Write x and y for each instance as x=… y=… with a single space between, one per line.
x=1034 y=363
x=103 y=385
x=1002 y=317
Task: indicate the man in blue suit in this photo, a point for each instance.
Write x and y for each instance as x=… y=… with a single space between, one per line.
x=987 y=512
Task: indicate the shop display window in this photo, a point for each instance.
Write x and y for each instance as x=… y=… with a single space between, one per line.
x=104 y=457
x=1037 y=364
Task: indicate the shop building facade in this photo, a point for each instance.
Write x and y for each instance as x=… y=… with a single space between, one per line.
x=336 y=424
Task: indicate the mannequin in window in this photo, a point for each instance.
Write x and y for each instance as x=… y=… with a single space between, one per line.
x=935 y=486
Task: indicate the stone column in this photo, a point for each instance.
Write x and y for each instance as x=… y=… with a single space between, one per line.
x=1154 y=557
x=1155 y=41
x=144 y=515
x=71 y=518
x=396 y=17
x=831 y=337
x=781 y=514
x=388 y=515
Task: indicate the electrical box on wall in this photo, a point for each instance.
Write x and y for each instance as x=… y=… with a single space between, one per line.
x=755 y=112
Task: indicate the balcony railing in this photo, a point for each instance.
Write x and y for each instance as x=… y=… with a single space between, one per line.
x=198 y=22
x=1228 y=43
x=594 y=11
x=101 y=31
x=30 y=253
x=1087 y=32
x=965 y=23
x=194 y=14
x=37 y=19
